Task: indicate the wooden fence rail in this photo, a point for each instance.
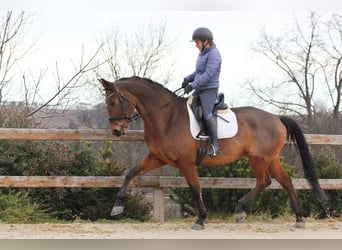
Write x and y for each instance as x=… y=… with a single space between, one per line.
x=149 y=181
x=159 y=183
x=105 y=135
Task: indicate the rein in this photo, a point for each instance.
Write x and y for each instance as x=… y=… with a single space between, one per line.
x=136 y=115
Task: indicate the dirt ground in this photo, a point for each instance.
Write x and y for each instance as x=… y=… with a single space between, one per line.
x=320 y=229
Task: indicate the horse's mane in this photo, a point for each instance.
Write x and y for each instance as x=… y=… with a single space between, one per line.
x=145 y=80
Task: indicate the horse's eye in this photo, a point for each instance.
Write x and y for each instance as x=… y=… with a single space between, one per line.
x=112 y=103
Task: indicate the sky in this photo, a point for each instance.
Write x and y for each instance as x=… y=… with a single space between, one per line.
x=61 y=30
x=234 y=32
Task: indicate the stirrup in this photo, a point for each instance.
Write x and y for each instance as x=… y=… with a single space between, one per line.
x=214 y=151
x=202 y=136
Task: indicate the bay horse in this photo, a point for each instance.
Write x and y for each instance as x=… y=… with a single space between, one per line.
x=261 y=136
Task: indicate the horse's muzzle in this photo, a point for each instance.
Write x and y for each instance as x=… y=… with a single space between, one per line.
x=119 y=132
x=116 y=132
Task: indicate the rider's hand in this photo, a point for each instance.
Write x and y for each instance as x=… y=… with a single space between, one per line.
x=185 y=83
x=188 y=89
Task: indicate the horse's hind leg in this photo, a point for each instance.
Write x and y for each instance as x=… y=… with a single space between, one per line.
x=189 y=171
x=260 y=170
x=147 y=164
x=285 y=181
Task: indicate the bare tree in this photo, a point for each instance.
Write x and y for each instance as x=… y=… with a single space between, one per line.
x=34 y=104
x=67 y=91
x=145 y=53
x=333 y=69
x=309 y=62
x=110 y=51
x=12 y=49
x=294 y=55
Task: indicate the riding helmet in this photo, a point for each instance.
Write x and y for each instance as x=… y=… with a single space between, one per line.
x=202 y=34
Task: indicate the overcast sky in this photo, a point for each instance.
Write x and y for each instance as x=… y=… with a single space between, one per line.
x=62 y=29
x=234 y=33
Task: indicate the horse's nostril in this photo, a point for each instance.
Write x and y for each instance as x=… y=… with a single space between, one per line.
x=116 y=132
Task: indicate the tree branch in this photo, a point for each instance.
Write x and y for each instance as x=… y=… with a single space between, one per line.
x=71 y=83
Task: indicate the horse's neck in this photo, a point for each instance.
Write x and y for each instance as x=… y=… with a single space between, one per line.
x=161 y=110
x=150 y=98
x=156 y=105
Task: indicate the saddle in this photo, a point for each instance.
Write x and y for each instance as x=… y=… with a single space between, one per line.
x=197 y=110
x=220 y=104
x=202 y=135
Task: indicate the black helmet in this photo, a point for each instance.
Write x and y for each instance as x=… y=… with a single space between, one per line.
x=202 y=34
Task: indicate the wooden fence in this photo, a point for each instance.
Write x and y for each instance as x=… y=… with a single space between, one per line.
x=159 y=183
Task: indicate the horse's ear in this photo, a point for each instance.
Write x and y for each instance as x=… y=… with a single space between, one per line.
x=104 y=83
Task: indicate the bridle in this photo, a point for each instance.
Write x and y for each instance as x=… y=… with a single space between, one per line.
x=135 y=114
x=122 y=98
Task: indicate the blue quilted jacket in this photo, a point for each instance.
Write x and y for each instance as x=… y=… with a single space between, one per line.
x=208 y=68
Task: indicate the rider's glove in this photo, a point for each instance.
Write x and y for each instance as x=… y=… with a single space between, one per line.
x=185 y=83
x=188 y=89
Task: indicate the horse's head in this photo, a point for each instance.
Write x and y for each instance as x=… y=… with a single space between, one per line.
x=120 y=108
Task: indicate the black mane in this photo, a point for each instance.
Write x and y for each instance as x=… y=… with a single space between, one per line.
x=146 y=80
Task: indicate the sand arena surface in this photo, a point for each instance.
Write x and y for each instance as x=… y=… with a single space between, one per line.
x=320 y=229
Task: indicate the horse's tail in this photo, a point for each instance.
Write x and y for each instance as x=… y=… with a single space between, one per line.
x=295 y=134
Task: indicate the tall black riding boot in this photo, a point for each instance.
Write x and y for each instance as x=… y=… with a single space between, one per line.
x=214 y=148
x=198 y=113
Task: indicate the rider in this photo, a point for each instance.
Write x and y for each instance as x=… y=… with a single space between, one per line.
x=205 y=82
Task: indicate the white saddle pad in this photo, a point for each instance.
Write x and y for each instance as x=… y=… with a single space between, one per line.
x=224 y=129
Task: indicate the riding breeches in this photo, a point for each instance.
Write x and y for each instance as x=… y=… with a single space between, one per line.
x=208 y=99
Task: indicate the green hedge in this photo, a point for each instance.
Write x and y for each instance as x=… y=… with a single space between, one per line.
x=45 y=158
x=222 y=202
x=328 y=167
x=82 y=159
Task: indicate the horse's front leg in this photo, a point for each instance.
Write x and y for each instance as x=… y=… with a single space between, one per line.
x=190 y=173
x=202 y=211
x=122 y=194
x=149 y=163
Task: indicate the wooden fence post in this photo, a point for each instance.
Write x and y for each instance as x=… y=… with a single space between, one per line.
x=158 y=204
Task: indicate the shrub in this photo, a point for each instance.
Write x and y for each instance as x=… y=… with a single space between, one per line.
x=17 y=207
x=328 y=167
x=47 y=158
x=273 y=202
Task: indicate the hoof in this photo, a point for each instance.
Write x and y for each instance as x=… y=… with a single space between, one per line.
x=240 y=217
x=300 y=225
x=117 y=210
x=197 y=227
